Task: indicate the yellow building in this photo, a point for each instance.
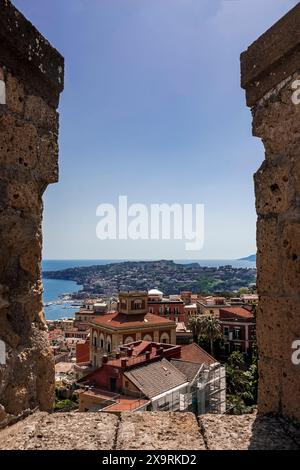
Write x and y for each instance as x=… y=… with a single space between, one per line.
x=132 y=322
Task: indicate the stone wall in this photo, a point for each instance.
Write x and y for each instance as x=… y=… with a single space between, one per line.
x=31 y=79
x=270 y=67
x=150 y=431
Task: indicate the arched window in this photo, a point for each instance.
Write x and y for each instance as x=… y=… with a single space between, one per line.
x=108 y=344
x=129 y=339
x=101 y=340
x=165 y=338
x=136 y=304
x=95 y=339
x=147 y=338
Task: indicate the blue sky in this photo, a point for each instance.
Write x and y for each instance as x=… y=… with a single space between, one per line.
x=153 y=109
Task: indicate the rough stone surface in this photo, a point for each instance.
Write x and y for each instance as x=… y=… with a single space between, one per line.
x=28 y=163
x=248 y=432
x=150 y=431
x=276 y=120
x=39 y=66
x=272 y=58
x=159 y=431
x=63 y=431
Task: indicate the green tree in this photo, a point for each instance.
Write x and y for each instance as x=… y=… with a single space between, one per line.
x=241 y=383
x=243 y=290
x=210 y=330
x=65 y=405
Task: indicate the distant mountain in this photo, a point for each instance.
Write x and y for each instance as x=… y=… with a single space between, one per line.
x=249 y=258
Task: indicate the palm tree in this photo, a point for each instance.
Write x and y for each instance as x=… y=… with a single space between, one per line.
x=193 y=322
x=209 y=329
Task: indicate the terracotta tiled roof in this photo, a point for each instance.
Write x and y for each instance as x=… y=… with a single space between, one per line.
x=125 y=403
x=156 y=378
x=236 y=312
x=193 y=353
x=189 y=369
x=120 y=320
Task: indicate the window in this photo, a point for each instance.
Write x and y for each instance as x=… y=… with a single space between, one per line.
x=136 y=305
x=226 y=330
x=164 y=338
x=237 y=333
x=129 y=339
x=95 y=340
x=147 y=338
x=108 y=344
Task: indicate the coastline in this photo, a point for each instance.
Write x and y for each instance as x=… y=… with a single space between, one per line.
x=57 y=291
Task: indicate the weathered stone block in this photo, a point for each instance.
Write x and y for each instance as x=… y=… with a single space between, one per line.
x=290 y=258
x=160 y=431
x=268 y=258
x=24 y=197
x=274 y=193
x=41 y=114
x=275 y=119
x=61 y=431
x=278 y=326
x=291 y=391
x=269 y=386
x=48 y=158
x=18 y=143
x=245 y=432
x=15 y=94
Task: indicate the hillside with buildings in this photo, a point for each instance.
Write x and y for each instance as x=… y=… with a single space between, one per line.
x=168 y=276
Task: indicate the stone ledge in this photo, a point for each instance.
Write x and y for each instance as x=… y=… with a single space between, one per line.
x=150 y=431
x=28 y=55
x=272 y=58
x=61 y=431
x=248 y=432
x=159 y=431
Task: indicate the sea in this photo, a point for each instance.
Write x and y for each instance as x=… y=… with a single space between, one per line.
x=55 y=289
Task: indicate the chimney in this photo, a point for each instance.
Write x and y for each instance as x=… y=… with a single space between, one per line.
x=147 y=355
x=105 y=359
x=129 y=352
x=117 y=355
x=123 y=362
